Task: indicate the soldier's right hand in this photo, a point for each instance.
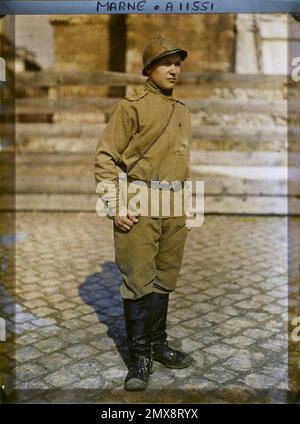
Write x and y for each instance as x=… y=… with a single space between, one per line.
x=125 y=223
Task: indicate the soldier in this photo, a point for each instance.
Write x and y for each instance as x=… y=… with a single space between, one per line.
x=148 y=137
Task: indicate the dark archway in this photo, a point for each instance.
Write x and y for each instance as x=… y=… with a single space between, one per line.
x=118 y=46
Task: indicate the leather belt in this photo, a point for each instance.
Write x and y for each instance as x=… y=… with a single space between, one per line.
x=158 y=185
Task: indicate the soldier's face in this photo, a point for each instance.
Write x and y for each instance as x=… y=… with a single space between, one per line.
x=166 y=71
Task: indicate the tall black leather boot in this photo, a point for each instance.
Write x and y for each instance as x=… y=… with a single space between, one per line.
x=161 y=352
x=138 y=328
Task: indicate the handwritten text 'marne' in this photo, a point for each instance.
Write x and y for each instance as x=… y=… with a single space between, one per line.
x=140 y=6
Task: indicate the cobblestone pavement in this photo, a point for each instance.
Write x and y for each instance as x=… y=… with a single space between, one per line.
x=229 y=312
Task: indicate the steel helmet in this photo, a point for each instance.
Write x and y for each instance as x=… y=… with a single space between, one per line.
x=160 y=47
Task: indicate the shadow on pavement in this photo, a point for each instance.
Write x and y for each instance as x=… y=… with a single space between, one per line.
x=102 y=291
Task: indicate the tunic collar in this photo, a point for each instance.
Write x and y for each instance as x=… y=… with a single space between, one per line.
x=157 y=90
x=150 y=86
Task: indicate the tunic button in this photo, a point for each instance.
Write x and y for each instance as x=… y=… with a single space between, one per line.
x=180 y=124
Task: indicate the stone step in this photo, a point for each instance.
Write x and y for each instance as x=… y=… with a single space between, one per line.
x=96 y=130
x=255 y=173
x=79 y=137
x=257 y=158
x=253 y=184
x=231 y=92
x=215 y=184
x=79 y=145
x=55 y=78
x=234 y=173
x=253 y=135
x=248 y=205
x=235 y=158
x=266 y=181
x=217 y=180
x=42 y=106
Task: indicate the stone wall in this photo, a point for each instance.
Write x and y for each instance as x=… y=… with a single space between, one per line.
x=91 y=43
x=85 y=43
x=102 y=42
x=272 y=33
x=81 y=44
x=35 y=33
x=265 y=38
x=210 y=39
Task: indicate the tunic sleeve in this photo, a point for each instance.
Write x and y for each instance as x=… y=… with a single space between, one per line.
x=121 y=127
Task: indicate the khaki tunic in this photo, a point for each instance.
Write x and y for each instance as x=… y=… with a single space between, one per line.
x=149 y=256
x=135 y=122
